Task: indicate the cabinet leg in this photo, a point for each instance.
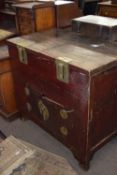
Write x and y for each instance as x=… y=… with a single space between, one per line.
x=85 y=165
x=22 y=117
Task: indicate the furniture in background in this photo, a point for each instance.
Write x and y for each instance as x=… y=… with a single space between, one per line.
x=34 y=16
x=7 y=15
x=108 y=9
x=37 y=16
x=42 y=15
x=96 y=26
x=7 y=98
x=90 y=7
x=65 y=11
x=5 y=34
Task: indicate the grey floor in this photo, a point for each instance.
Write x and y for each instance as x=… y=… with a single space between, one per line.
x=104 y=161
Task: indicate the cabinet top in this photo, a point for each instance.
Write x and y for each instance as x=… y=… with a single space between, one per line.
x=5 y=34
x=107 y=3
x=81 y=52
x=40 y=3
x=97 y=20
x=30 y=5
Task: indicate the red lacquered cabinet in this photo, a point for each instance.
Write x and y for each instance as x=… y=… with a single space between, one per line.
x=68 y=90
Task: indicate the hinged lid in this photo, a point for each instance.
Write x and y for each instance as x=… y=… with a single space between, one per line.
x=83 y=56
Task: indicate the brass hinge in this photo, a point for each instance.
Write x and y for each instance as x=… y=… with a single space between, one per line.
x=62 y=69
x=22 y=55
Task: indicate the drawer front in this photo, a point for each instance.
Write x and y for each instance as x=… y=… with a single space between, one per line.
x=63 y=120
x=108 y=11
x=38 y=65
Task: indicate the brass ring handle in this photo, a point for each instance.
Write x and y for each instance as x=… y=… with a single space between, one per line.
x=64 y=113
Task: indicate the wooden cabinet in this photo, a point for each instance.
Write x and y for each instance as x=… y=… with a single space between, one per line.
x=108 y=9
x=34 y=16
x=37 y=16
x=68 y=90
x=7 y=98
x=65 y=11
x=98 y=27
x=40 y=16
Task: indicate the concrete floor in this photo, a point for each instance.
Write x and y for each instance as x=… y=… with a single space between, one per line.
x=104 y=161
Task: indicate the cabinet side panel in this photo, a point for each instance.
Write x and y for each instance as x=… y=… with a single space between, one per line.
x=44 y=18
x=103 y=106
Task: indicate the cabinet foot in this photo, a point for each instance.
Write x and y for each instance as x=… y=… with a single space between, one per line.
x=84 y=165
x=22 y=117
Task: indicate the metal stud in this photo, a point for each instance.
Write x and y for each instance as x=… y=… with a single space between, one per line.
x=64 y=131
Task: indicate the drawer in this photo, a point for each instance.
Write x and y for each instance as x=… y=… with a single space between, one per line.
x=37 y=66
x=61 y=119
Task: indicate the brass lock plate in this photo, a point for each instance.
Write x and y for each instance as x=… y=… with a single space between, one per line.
x=22 y=55
x=62 y=69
